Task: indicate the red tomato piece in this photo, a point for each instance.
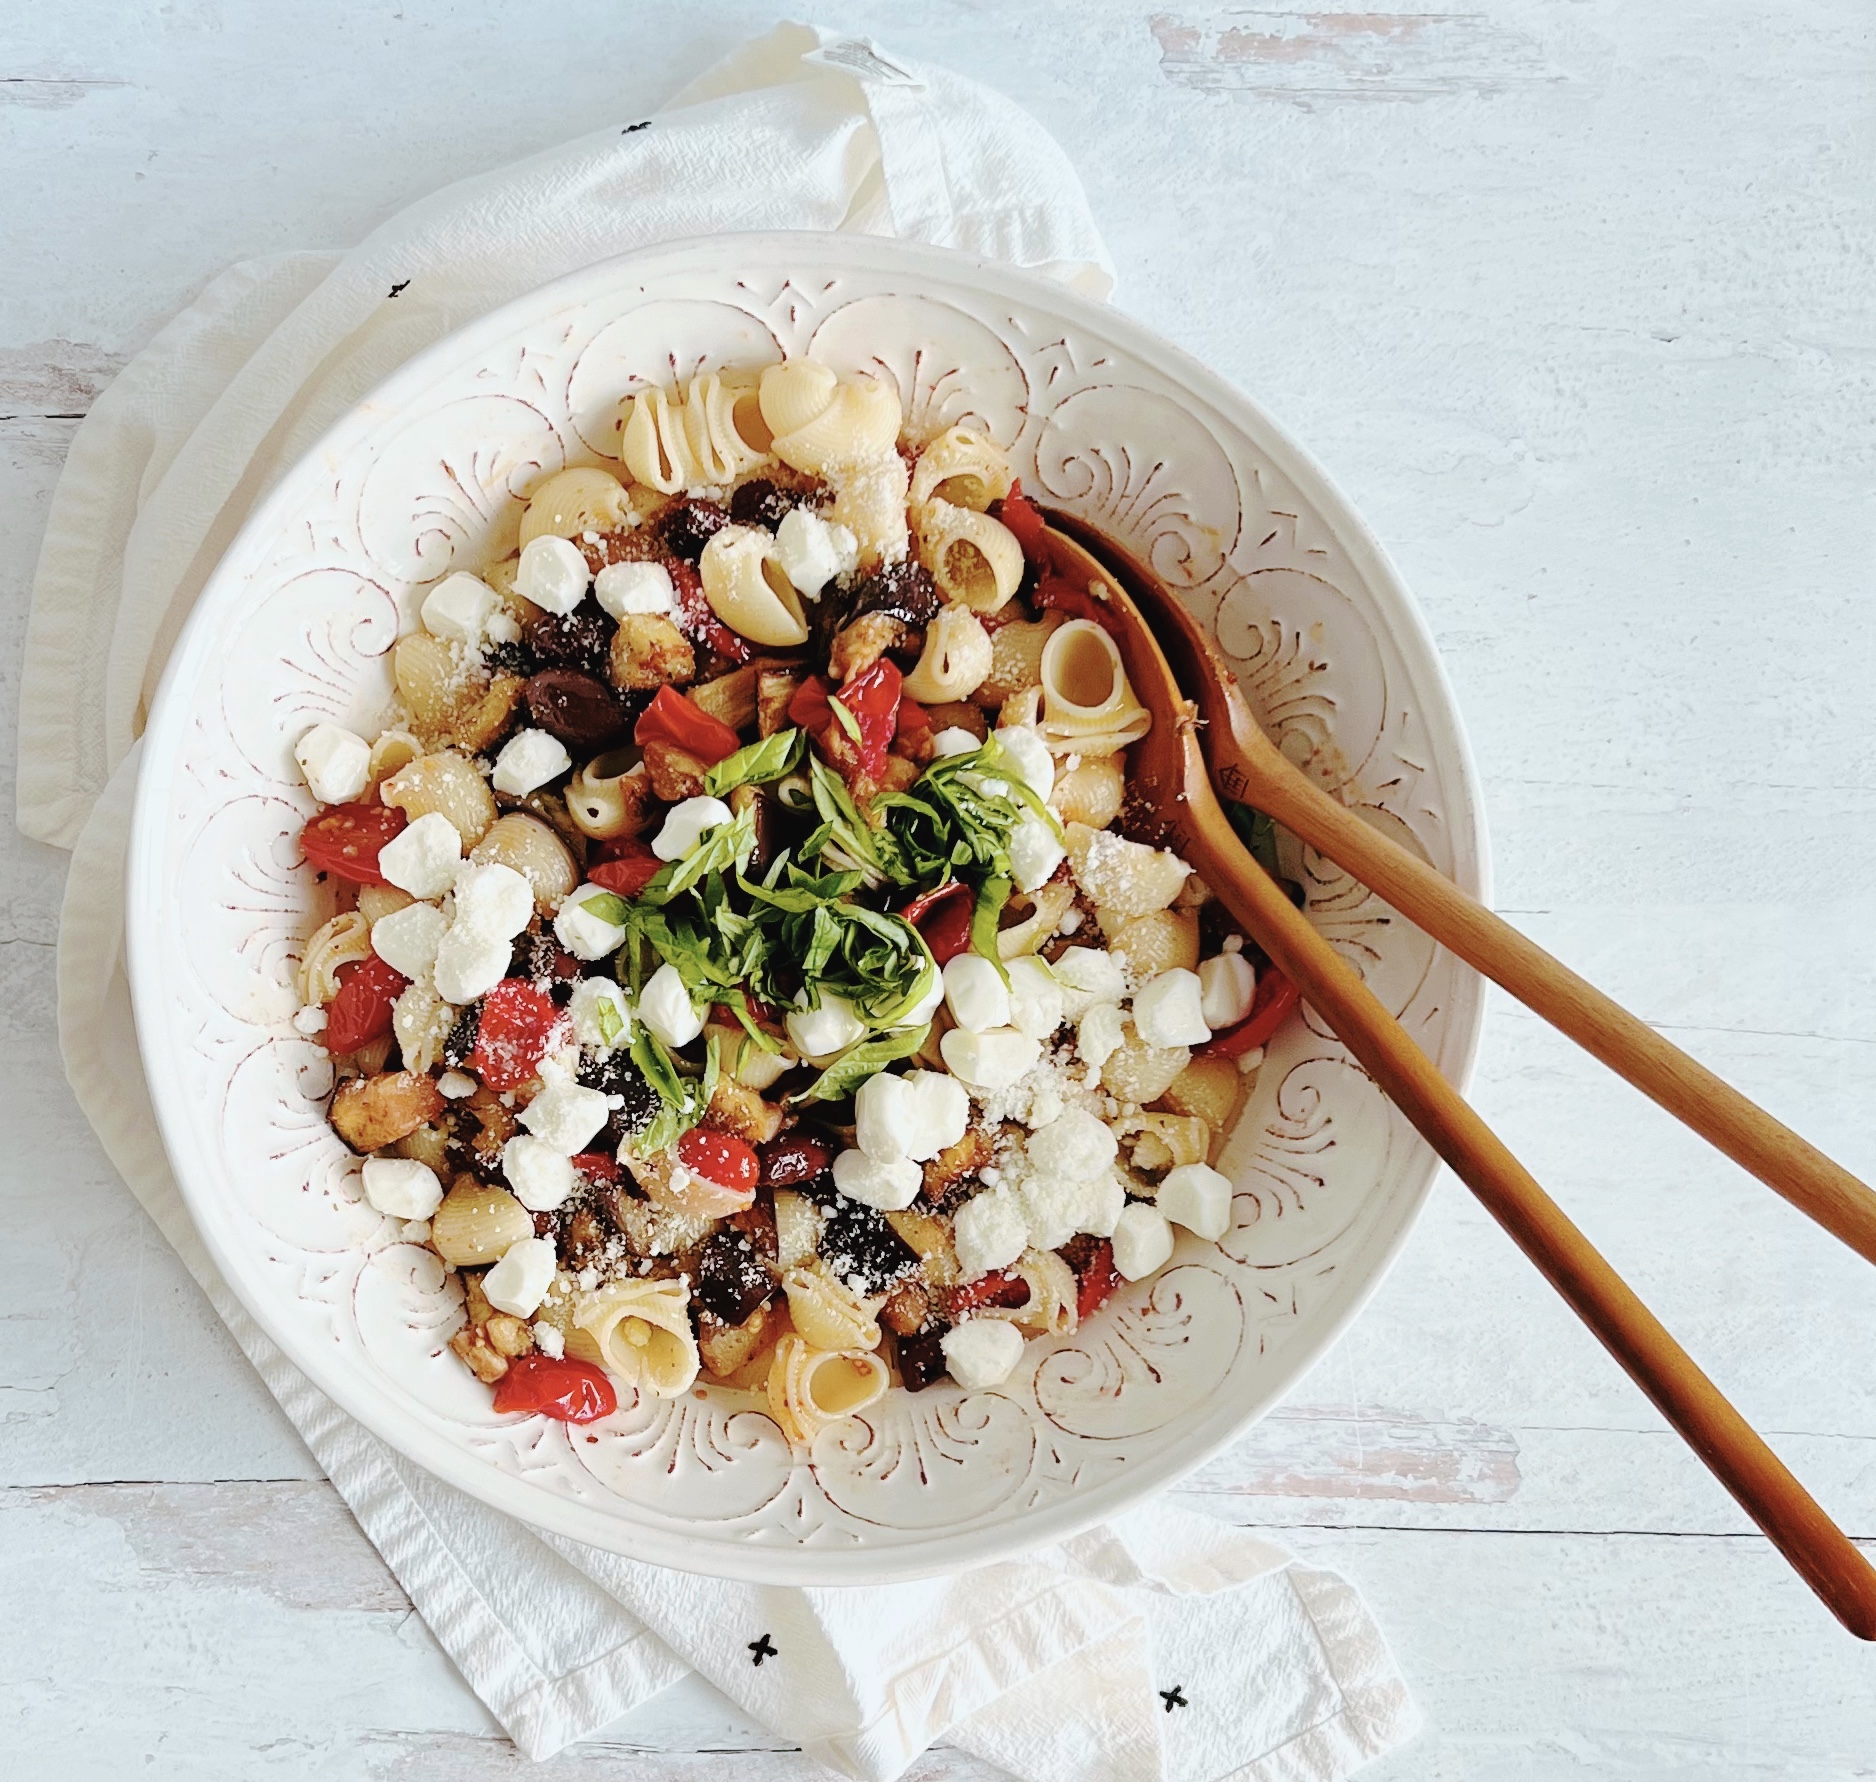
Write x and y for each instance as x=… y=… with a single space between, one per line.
x=1025 y=519
x=695 y=618
x=361 y=1012
x=1052 y=592
x=719 y=1157
x=596 y=1166
x=628 y=870
x=993 y=1289
x=809 y=708
x=520 y=1025
x=943 y=917
x=913 y=717
x=671 y=718
x=573 y=1391
x=1271 y=1004
x=1097 y=1280
x=871 y=699
x=344 y=840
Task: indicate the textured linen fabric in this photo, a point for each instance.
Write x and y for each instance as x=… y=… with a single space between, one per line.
x=1049 y=1667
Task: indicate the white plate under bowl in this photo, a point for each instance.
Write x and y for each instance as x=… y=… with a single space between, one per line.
x=428 y=475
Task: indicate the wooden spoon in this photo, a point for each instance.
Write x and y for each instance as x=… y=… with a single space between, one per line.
x=1249 y=767
x=1170 y=799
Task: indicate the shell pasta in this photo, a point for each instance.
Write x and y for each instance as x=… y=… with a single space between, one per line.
x=739 y=976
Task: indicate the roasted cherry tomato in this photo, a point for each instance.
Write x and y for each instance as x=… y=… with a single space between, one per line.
x=1097 y=1280
x=596 y=1166
x=671 y=718
x=574 y=1391
x=808 y=708
x=913 y=717
x=993 y=1289
x=1025 y=519
x=628 y=871
x=943 y=917
x=1271 y=1003
x=719 y=1157
x=345 y=840
x=520 y=1025
x=697 y=621
x=1053 y=593
x=871 y=699
x=361 y=1012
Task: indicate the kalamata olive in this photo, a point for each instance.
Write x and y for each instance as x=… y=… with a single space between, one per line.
x=903 y=590
x=582 y=711
x=793 y=1158
x=689 y=525
x=761 y=503
x=579 y=639
x=858 y=1244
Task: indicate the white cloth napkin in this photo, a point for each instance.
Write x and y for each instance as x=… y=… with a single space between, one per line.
x=1163 y=1645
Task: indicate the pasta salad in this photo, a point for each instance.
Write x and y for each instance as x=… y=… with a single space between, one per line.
x=739 y=967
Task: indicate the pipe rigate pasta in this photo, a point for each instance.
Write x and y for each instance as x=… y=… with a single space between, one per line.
x=962 y=468
x=607 y=798
x=422 y=1020
x=532 y=849
x=748 y=589
x=1091 y=792
x=810 y=1388
x=827 y=1311
x=974 y=559
x=574 y=502
x=343 y=940
x=1016 y=658
x=824 y=424
x=1089 y=706
x=709 y=434
x=869 y=500
x=955 y=660
x=448 y=783
x=394 y=750
x=642 y=1331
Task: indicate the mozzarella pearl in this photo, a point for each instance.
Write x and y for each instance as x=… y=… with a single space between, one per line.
x=686 y=824
x=664 y=1005
x=1167 y=1011
x=989 y=1232
x=458 y=609
x=1227 y=987
x=424 y=857
x=529 y=761
x=975 y=993
x=888 y=1187
x=552 y=573
x=584 y=932
x=519 y=1282
x=407 y=939
x=622 y=588
x=336 y=764
x=982 y=1352
x=1142 y=1240
x=992 y=1060
x=1030 y=756
x=823 y=1031
x=494 y=900
x=1198 y=1197
x=541 y=1177
x=402 y=1187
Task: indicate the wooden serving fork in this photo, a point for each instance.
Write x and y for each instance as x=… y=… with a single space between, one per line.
x=1250 y=768
x=1170 y=796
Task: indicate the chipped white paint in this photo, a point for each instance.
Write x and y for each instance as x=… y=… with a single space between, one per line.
x=1573 y=300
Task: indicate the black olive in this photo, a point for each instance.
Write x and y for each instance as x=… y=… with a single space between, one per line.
x=616 y=1074
x=462 y=1037
x=579 y=639
x=687 y=526
x=901 y=590
x=762 y=503
x=582 y=711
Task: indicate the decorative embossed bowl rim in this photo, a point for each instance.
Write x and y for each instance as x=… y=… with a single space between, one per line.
x=426 y=474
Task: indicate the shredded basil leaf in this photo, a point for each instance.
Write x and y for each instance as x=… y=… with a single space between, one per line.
x=992 y=895
x=845 y=719
x=608 y=906
x=686 y=1099
x=867 y=1059
x=770 y=759
x=1259 y=833
x=611 y=1022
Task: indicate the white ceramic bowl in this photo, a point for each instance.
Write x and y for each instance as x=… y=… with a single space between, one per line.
x=428 y=476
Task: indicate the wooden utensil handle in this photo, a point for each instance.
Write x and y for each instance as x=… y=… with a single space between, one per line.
x=1735 y=1453
x=1782 y=1160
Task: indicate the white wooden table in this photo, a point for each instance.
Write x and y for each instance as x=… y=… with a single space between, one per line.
x=1574 y=300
